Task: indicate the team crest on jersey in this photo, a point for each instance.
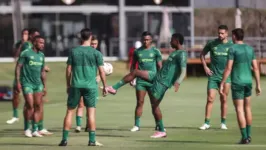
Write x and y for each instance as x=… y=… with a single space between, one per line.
x=151 y=54
x=31 y=57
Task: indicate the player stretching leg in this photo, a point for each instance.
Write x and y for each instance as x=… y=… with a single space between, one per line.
x=218 y=49
x=79 y=112
x=31 y=77
x=240 y=60
x=149 y=59
x=16 y=97
x=82 y=64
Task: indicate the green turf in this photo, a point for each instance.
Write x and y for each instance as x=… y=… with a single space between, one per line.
x=183 y=113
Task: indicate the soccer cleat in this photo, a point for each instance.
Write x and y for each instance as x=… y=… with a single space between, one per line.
x=223 y=126
x=244 y=141
x=86 y=129
x=13 y=120
x=27 y=133
x=95 y=144
x=134 y=129
x=111 y=90
x=159 y=135
x=63 y=143
x=78 y=129
x=249 y=139
x=204 y=126
x=45 y=132
x=36 y=134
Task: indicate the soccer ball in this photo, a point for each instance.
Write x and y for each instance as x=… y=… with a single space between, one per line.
x=108 y=68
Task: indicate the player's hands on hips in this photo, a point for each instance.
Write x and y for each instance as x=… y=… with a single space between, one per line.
x=258 y=90
x=18 y=87
x=208 y=71
x=221 y=90
x=46 y=68
x=176 y=86
x=105 y=91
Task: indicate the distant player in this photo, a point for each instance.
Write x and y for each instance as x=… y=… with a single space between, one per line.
x=218 y=49
x=241 y=59
x=172 y=73
x=82 y=65
x=79 y=112
x=16 y=98
x=31 y=79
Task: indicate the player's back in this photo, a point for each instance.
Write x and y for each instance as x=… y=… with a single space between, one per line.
x=84 y=61
x=242 y=55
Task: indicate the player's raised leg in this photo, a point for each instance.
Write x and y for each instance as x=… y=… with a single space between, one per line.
x=79 y=114
x=140 y=94
x=223 y=100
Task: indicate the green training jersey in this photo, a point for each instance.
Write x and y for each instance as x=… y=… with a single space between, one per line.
x=85 y=61
x=218 y=54
x=171 y=69
x=33 y=63
x=26 y=45
x=242 y=55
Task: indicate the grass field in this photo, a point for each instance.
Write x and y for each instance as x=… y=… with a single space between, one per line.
x=183 y=113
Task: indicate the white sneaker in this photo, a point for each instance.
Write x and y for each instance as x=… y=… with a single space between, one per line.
x=98 y=144
x=204 y=127
x=45 y=132
x=27 y=133
x=223 y=126
x=134 y=129
x=78 y=129
x=13 y=120
x=36 y=134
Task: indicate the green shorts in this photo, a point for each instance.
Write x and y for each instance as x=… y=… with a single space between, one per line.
x=158 y=90
x=32 y=88
x=241 y=91
x=215 y=84
x=144 y=85
x=90 y=97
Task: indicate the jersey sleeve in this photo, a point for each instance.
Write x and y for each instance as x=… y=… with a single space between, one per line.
x=99 y=59
x=22 y=57
x=43 y=61
x=207 y=47
x=183 y=60
x=69 y=59
x=158 y=55
x=231 y=54
x=253 y=54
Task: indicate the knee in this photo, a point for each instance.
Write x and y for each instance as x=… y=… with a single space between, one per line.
x=81 y=106
x=29 y=106
x=239 y=110
x=37 y=107
x=140 y=103
x=210 y=99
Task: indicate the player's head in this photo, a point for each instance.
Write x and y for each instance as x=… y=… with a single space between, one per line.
x=177 y=40
x=85 y=34
x=222 y=32
x=94 y=42
x=238 y=34
x=32 y=33
x=38 y=42
x=146 y=39
x=25 y=34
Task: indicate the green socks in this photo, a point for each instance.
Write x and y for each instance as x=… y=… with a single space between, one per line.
x=40 y=125
x=119 y=84
x=207 y=121
x=244 y=133
x=78 y=120
x=26 y=124
x=92 y=136
x=65 y=135
x=35 y=126
x=248 y=127
x=160 y=124
x=15 y=112
x=223 y=120
x=137 y=121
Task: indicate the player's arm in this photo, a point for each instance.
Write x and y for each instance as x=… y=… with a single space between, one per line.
x=69 y=71
x=43 y=77
x=19 y=65
x=159 y=59
x=257 y=74
x=204 y=52
x=99 y=60
x=228 y=68
x=182 y=62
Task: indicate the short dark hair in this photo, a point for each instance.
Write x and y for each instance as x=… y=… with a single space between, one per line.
x=38 y=37
x=85 y=34
x=179 y=37
x=223 y=27
x=33 y=30
x=238 y=33
x=146 y=33
x=94 y=37
x=25 y=29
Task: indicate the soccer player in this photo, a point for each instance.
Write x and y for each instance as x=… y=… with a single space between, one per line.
x=172 y=73
x=79 y=112
x=82 y=65
x=31 y=78
x=241 y=59
x=16 y=98
x=218 y=49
